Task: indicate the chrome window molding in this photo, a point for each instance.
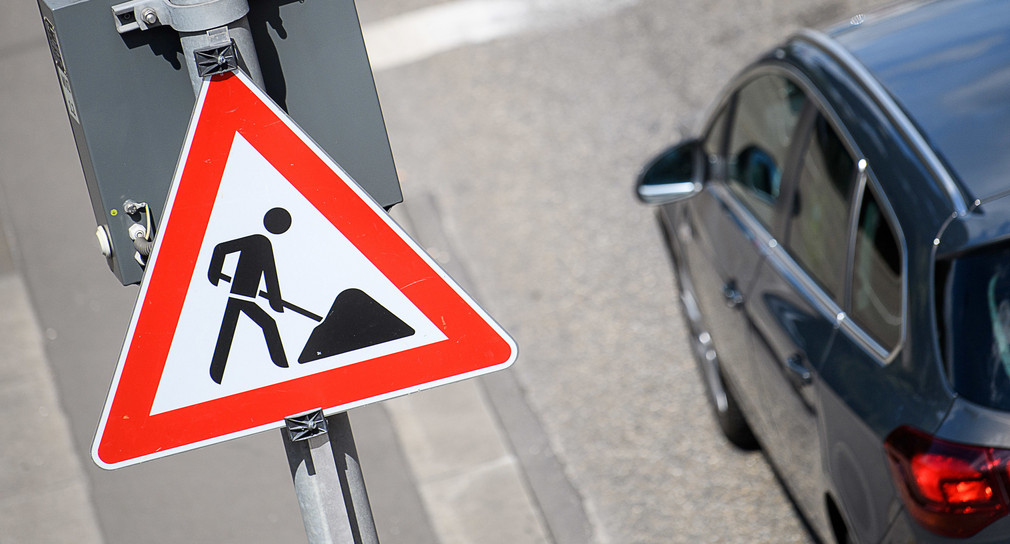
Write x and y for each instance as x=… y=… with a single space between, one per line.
x=755 y=230
x=776 y=253
x=867 y=182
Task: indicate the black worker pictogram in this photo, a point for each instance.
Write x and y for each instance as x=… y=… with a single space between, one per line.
x=255 y=263
x=355 y=320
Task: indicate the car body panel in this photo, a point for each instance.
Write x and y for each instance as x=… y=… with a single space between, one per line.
x=988 y=224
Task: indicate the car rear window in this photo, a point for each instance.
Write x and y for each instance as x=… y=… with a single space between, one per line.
x=977 y=321
x=877 y=275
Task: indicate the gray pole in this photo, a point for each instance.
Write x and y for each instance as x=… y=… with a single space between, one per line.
x=328 y=480
x=215 y=37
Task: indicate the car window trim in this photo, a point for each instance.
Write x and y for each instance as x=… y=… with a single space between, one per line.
x=854 y=209
x=848 y=324
x=753 y=226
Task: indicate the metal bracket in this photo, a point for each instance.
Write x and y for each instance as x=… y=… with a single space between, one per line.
x=182 y=15
x=219 y=56
x=216 y=60
x=307 y=425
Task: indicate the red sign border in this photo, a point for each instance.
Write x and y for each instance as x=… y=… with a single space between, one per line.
x=129 y=434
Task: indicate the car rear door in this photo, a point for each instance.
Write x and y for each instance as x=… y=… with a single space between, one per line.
x=795 y=306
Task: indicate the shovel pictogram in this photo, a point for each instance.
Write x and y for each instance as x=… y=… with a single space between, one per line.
x=355 y=321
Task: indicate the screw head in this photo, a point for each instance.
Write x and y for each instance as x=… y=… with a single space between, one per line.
x=149 y=16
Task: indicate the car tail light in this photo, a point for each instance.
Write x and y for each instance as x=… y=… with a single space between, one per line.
x=952 y=489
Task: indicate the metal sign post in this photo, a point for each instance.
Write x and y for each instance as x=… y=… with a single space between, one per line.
x=321 y=453
x=328 y=480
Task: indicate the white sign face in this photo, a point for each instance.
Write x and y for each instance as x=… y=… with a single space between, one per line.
x=314 y=264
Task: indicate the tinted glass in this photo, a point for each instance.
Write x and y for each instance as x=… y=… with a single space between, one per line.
x=767 y=109
x=818 y=228
x=876 y=275
x=978 y=324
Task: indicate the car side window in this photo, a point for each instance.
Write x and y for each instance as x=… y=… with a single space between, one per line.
x=767 y=110
x=819 y=215
x=877 y=275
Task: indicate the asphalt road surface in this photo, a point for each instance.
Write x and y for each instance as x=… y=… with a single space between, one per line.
x=517 y=128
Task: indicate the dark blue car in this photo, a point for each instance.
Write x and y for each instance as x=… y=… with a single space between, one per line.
x=840 y=230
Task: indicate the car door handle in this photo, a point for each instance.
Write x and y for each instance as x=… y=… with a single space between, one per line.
x=798 y=372
x=734 y=298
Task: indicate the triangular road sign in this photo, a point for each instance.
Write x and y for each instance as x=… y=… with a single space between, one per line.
x=277 y=286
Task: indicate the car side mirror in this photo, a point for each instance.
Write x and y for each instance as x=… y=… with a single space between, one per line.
x=674 y=175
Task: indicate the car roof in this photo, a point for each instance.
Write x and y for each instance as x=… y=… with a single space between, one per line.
x=947 y=64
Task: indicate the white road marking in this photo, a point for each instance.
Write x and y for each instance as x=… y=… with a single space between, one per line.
x=426 y=32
